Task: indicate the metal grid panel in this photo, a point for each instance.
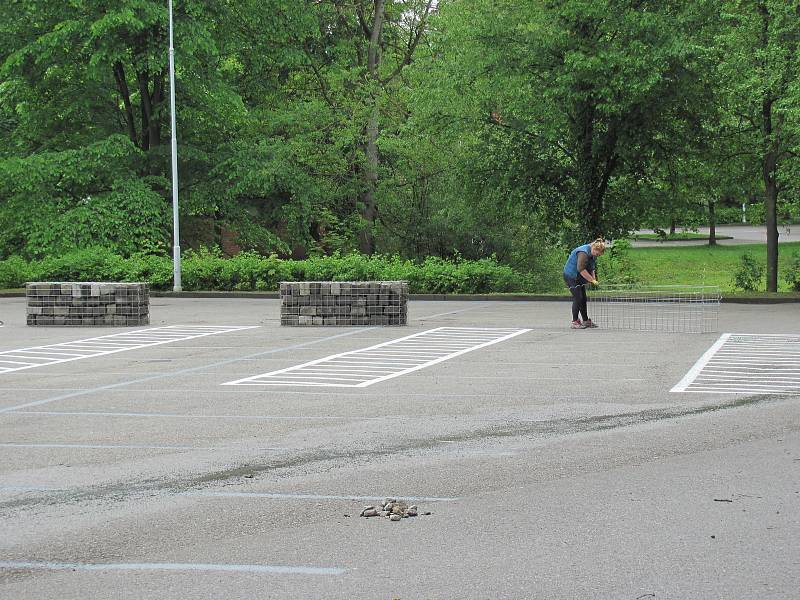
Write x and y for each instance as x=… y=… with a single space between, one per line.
x=680 y=309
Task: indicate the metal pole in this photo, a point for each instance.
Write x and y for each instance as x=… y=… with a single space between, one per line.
x=176 y=247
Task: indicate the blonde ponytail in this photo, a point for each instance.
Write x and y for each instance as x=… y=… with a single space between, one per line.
x=599 y=244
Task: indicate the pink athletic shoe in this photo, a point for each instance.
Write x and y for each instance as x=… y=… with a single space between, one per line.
x=577 y=325
x=589 y=324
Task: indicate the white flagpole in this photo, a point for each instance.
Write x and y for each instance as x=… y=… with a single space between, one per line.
x=176 y=248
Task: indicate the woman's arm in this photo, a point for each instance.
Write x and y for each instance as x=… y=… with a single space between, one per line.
x=583 y=262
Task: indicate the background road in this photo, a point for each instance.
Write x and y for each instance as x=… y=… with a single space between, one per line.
x=740 y=234
x=556 y=464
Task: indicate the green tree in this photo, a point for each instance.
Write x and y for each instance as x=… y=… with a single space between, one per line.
x=760 y=66
x=583 y=94
x=76 y=75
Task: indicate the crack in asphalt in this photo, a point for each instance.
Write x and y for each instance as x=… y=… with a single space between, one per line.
x=547 y=429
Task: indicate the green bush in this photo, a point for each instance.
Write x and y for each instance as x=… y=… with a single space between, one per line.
x=725 y=215
x=616 y=266
x=209 y=270
x=155 y=270
x=755 y=214
x=90 y=264
x=793 y=272
x=14 y=272
x=748 y=274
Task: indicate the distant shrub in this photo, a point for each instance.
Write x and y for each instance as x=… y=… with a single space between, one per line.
x=726 y=215
x=793 y=272
x=748 y=274
x=14 y=272
x=89 y=264
x=207 y=269
x=616 y=266
x=155 y=270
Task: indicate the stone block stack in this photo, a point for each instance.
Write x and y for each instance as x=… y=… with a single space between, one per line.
x=344 y=303
x=87 y=304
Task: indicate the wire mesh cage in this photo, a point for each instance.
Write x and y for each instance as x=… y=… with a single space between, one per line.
x=678 y=308
x=344 y=302
x=84 y=304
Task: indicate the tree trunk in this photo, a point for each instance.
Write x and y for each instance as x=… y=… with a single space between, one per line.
x=673 y=225
x=148 y=111
x=769 y=165
x=158 y=104
x=712 y=224
x=770 y=206
x=370 y=207
x=124 y=92
x=589 y=210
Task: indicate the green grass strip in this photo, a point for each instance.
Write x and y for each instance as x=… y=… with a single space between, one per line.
x=703 y=265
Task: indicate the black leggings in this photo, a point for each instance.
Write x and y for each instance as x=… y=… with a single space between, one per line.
x=578 y=291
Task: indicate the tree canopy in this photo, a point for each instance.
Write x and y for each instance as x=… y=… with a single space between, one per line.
x=416 y=127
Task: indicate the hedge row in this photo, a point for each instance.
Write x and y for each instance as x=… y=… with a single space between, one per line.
x=250 y=272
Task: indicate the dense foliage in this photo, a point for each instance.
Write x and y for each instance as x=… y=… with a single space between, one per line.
x=458 y=129
x=249 y=271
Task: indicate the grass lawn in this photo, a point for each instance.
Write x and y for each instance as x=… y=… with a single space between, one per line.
x=704 y=265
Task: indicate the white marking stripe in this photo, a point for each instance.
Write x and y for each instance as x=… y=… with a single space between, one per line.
x=113 y=387
x=273 y=496
x=272 y=569
x=121 y=446
x=746 y=364
x=39 y=413
x=338 y=370
x=19 y=488
x=107 y=344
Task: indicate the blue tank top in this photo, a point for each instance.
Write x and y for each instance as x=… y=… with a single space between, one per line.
x=571 y=267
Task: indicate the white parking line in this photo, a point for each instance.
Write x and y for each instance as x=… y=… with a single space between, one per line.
x=271 y=569
x=39 y=356
x=175 y=373
x=121 y=447
x=274 y=496
x=18 y=489
x=746 y=364
x=338 y=368
x=53 y=413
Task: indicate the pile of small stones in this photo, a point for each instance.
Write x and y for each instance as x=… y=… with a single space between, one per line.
x=392 y=509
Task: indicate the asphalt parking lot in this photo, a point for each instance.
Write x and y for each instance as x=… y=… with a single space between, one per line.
x=555 y=463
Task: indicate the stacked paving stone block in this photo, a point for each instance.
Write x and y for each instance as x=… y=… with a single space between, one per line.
x=344 y=303
x=87 y=304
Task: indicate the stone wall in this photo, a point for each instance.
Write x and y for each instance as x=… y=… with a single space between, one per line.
x=87 y=304
x=344 y=303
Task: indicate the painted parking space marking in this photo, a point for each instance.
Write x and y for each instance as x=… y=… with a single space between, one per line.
x=18 y=565
x=116 y=387
x=277 y=496
x=367 y=366
x=746 y=364
x=20 y=489
x=161 y=415
x=40 y=356
x=124 y=446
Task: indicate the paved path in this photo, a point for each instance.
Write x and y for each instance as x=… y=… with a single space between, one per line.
x=740 y=234
x=556 y=464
